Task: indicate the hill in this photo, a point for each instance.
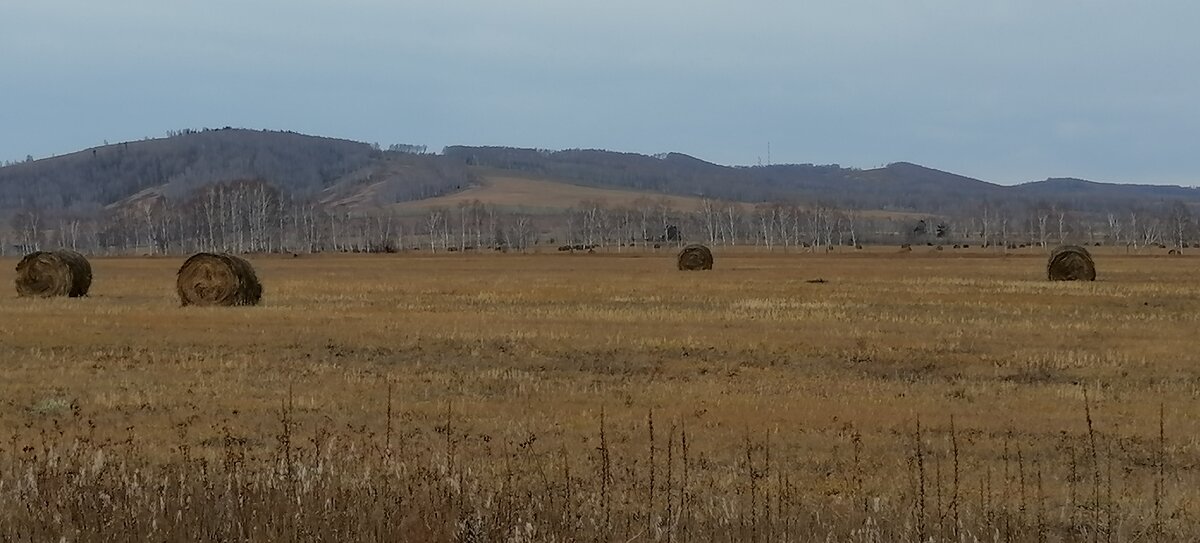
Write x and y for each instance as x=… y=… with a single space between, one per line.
x=356 y=176
x=178 y=166
x=899 y=186
x=533 y=195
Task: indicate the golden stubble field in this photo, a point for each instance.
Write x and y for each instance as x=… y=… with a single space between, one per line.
x=747 y=391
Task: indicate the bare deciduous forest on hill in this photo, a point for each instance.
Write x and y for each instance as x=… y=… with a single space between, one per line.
x=265 y=191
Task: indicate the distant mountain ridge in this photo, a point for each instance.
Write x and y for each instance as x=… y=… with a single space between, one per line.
x=357 y=176
x=899 y=186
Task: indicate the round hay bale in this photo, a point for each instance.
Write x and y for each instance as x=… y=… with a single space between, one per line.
x=217 y=279
x=54 y=273
x=1071 y=263
x=695 y=257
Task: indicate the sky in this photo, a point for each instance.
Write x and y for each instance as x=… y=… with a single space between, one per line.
x=1005 y=91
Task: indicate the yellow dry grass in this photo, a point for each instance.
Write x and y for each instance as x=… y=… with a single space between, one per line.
x=534 y=195
x=537 y=195
x=793 y=353
x=517 y=346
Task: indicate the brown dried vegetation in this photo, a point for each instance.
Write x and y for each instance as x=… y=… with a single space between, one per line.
x=480 y=398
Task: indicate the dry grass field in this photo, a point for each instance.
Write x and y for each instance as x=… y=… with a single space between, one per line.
x=909 y=396
x=536 y=194
x=532 y=194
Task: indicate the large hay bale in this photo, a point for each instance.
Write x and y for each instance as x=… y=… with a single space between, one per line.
x=1071 y=263
x=217 y=279
x=54 y=273
x=695 y=257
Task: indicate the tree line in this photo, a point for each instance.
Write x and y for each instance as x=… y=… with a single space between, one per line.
x=256 y=216
x=262 y=191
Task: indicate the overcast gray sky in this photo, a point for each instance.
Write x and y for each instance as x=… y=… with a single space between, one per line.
x=1007 y=91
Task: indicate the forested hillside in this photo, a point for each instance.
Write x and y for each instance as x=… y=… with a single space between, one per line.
x=178 y=166
x=898 y=186
x=245 y=190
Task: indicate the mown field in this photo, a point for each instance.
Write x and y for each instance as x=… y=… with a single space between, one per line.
x=610 y=397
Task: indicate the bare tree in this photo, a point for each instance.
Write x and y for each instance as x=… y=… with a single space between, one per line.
x=710 y=217
x=986 y=218
x=28 y=226
x=1043 y=216
x=1147 y=230
x=68 y=227
x=1179 y=218
x=433 y=221
x=850 y=224
x=732 y=219
x=765 y=215
x=1114 y=229
x=1062 y=224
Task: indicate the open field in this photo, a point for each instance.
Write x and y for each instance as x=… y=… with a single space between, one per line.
x=534 y=194
x=538 y=195
x=608 y=397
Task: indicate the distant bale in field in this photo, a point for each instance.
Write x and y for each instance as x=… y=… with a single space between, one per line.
x=1174 y=252
x=1071 y=263
x=695 y=257
x=54 y=273
x=217 y=279
x=938 y=248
